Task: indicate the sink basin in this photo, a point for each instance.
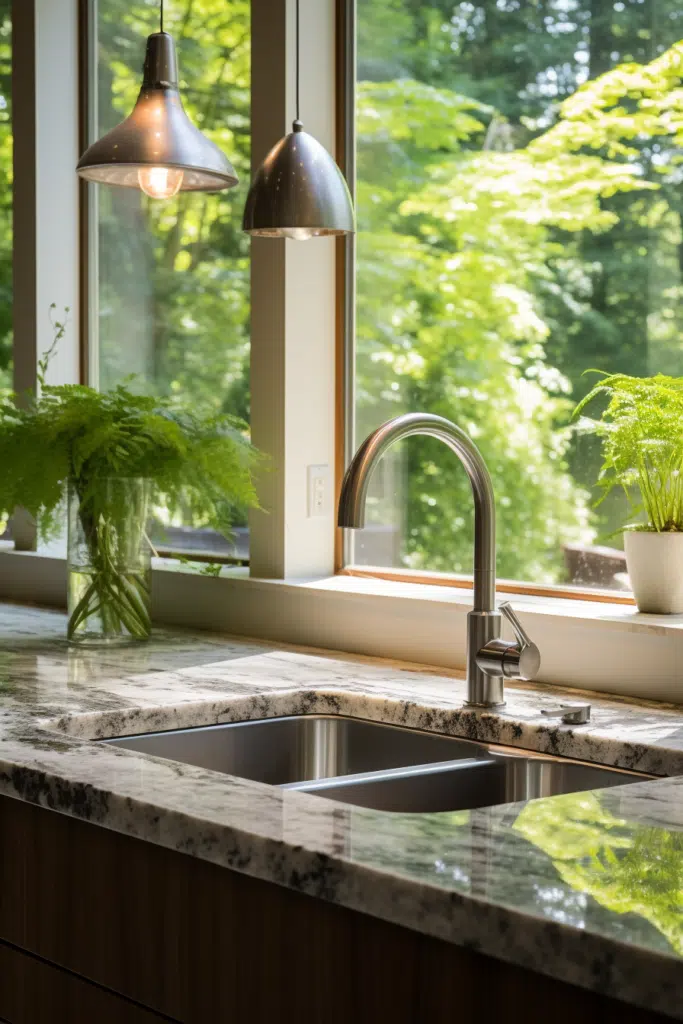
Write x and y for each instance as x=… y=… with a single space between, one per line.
x=502 y=778
x=301 y=747
x=369 y=764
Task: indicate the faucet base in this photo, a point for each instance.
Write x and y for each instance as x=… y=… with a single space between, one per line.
x=483 y=690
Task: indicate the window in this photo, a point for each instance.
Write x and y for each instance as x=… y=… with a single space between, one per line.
x=171 y=279
x=444 y=322
x=520 y=205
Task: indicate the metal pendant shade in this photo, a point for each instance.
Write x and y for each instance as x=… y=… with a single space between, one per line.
x=157 y=148
x=298 y=192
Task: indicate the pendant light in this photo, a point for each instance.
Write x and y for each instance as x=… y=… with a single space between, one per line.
x=298 y=191
x=157 y=148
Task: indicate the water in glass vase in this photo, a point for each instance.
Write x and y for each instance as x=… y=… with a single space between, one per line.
x=109 y=561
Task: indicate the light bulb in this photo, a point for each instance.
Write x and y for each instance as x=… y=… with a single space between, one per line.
x=160 y=182
x=299 y=234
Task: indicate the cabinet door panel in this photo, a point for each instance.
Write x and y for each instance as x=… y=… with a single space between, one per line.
x=35 y=992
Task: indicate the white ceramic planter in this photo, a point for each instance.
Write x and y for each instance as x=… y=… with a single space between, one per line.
x=655 y=569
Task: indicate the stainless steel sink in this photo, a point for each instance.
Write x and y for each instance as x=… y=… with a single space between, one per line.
x=369 y=764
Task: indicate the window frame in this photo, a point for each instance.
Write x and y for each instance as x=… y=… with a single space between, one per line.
x=344 y=565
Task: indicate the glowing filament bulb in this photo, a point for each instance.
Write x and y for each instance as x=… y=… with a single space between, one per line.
x=160 y=182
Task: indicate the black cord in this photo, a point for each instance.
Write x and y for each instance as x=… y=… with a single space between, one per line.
x=161 y=17
x=297 y=60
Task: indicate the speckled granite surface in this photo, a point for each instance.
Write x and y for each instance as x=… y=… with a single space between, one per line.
x=587 y=887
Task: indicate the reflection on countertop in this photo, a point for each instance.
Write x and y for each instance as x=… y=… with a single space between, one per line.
x=586 y=887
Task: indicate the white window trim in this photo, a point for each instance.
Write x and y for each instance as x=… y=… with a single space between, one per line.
x=292 y=595
x=45 y=80
x=293 y=307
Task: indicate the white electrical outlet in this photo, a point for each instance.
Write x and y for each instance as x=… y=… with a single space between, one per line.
x=318 y=490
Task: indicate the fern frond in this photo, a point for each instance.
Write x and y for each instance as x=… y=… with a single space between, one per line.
x=71 y=432
x=642 y=436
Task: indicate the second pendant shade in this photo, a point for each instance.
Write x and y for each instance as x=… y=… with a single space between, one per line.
x=298 y=192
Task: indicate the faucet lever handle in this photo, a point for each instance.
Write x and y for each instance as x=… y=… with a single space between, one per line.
x=523 y=638
x=519 y=660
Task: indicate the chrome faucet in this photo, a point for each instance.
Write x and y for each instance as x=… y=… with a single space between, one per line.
x=490 y=659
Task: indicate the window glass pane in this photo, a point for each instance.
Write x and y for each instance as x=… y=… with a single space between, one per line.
x=171 y=278
x=5 y=193
x=519 y=205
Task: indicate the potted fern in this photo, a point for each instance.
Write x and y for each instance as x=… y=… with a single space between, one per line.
x=642 y=437
x=116 y=455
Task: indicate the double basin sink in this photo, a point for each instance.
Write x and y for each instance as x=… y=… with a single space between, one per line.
x=385 y=767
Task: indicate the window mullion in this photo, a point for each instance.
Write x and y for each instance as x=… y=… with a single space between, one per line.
x=293 y=306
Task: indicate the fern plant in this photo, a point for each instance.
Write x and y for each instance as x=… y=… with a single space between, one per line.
x=72 y=435
x=641 y=429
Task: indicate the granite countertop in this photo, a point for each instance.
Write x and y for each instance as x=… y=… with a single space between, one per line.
x=587 y=887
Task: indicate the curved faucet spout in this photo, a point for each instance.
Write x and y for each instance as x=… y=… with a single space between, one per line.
x=490 y=659
x=355 y=488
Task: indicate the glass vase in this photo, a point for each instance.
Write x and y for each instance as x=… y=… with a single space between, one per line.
x=109 y=561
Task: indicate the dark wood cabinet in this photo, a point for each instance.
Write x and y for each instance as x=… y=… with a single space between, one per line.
x=156 y=933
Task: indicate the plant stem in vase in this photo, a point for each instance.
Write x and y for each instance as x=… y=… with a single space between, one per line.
x=109 y=561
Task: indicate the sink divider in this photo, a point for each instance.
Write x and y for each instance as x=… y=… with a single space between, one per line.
x=391 y=774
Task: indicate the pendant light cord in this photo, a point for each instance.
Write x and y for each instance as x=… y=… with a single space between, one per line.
x=161 y=17
x=297 y=60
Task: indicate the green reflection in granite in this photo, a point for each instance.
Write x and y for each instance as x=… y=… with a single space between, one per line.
x=626 y=868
